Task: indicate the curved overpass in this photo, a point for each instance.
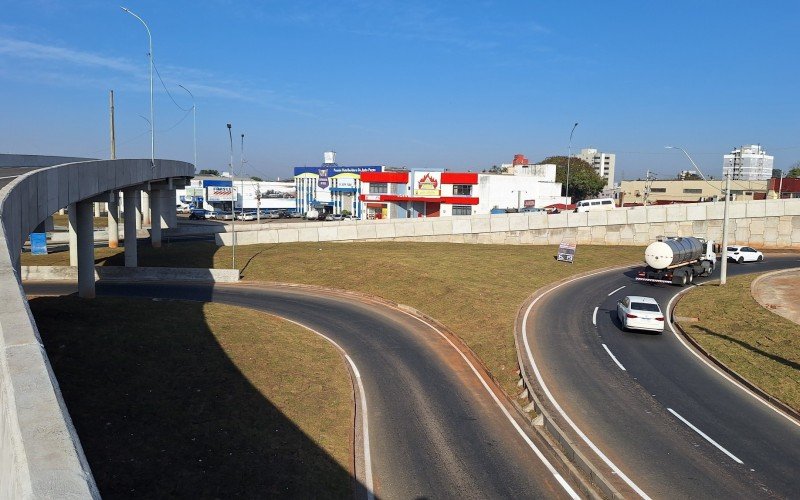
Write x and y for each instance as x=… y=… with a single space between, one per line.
x=674 y=426
x=40 y=455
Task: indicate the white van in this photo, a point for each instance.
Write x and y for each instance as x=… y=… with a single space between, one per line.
x=594 y=205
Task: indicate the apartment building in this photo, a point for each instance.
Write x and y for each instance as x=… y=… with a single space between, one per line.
x=750 y=163
x=603 y=164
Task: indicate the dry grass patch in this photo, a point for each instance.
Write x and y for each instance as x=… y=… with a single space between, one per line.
x=475 y=290
x=198 y=400
x=756 y=343
x=63 y=220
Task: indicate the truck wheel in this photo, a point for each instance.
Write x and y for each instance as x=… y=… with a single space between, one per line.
x=690 y=277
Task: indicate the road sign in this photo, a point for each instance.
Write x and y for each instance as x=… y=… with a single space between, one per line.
x=39 y=243
x=566 y=252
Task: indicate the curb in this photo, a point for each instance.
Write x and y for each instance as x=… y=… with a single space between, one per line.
x=545 y=424
x=780 y=405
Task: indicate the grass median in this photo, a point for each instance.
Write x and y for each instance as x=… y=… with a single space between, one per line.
x=175 y=398
x=754 y=342
x=475 y=290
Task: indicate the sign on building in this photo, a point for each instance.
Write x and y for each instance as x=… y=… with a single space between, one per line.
x=221 y=193
x=427 y=184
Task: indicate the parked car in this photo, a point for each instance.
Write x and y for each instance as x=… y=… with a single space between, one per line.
x=223 y=214
x=295 y=215
x=640 y=313
x=246 y=216
x=740 y=254
x=335 y=217
x=200 y=214
x=272 y=214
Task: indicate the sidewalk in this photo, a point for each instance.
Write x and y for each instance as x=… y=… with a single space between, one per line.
x=779 y=291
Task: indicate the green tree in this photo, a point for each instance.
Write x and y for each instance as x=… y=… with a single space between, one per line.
x=257 y=179
x=208 y=172
x=794 y=172
x=583 y=180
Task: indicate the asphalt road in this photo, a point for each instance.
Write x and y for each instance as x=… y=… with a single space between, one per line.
x=8 y=174
x=434 y=430
x=642 y=417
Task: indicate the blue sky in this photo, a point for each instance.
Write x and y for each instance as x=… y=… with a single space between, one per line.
x=460 y=85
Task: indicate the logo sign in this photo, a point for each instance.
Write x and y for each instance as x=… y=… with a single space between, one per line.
x=38 y=243
x=566 y=252
x=221 y=193
x=323 y=181
x=529 y=203
x=428 y=185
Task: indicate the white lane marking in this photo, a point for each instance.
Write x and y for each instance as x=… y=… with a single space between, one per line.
x=705 y=436
x=714 y=367
x=617 y=290
x=594 y=317
x=571 y=492
x=547 y=392
x=614 y=357
x=367 y=455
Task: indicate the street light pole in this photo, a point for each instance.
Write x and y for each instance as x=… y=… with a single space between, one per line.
x=690 y=159
x=194 y=124
x=723 y=277
x=233 y=199
x=569 y=155
x=241 y=172
x=152 y=113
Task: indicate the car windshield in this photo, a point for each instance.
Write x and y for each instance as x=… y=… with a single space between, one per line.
x=644 y=306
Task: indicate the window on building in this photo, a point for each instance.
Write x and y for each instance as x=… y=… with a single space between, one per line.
x=737 y=191
x=462 y=210
x=658 y=190
x=378 y=188
x=462 y=190
x=692 y=191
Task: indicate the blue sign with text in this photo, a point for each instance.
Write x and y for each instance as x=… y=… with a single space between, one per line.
x=39 y=243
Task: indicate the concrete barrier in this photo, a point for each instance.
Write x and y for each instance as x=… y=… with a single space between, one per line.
x=40 y=453
x=120 y=273
x=769 y=224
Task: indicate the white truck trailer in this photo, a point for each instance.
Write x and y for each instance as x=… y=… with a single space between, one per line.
x=678 y=260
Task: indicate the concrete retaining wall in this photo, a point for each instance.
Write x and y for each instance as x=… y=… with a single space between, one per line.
x=771 y=223
x=40 y=454
x=119 y=273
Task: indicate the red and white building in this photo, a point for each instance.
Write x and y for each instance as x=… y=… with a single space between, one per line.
x=395 y=194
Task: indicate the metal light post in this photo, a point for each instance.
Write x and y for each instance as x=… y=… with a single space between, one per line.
x=569 y=155
x=152 y=113
x=194 y=124
x=233 y=199
x=690 y=159
x=241 y=172
x=723 y=276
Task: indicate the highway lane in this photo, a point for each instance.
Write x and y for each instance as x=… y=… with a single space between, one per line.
x=434 y=430
x=628 y=413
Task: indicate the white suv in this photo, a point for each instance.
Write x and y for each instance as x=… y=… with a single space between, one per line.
x=741 y=254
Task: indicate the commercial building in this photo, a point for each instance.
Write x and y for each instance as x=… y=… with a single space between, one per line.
x=654 y=192
x=748 y=163
x=331 y=188
x=603 y=164
x=218 y=193
x=432 y=193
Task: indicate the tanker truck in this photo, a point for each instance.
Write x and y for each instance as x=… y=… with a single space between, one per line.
x=677 y=260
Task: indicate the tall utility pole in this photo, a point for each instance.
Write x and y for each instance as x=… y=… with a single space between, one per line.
x=241 y=173
x=111 y=117
x=233 y=199
x=194 y=124
x=647 y=184
x=569 y=155
x=723 y=277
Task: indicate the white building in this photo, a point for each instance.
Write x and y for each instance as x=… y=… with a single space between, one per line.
x=430 y=193
x=216 y=193
x=750 y=163
x=603 y=164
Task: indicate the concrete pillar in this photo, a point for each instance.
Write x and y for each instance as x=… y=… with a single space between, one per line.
x=61 y=211
x=113 y=219
x=145 y=208
x=129 y=200
x=73 y=234
x=85 y=230
x=97 y=209
x=155 y=224
x=137 y=200
x=169 y=209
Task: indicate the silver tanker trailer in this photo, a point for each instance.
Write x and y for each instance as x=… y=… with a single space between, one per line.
x=678 y=260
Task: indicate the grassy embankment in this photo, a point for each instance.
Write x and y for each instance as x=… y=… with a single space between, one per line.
x=200 y=400
x=475 y=290
x=756 y=343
